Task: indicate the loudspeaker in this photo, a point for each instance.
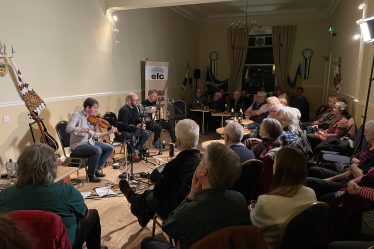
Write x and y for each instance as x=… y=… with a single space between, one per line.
x=196 y=74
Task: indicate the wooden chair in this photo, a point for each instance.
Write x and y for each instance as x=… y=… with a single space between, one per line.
x=301 y=228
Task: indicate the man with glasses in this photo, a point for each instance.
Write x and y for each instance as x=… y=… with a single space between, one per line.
x=130 y=124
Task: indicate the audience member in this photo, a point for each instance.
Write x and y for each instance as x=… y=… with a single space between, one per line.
x=236 y=103
x=278 y=91
x=326 y=182
x=209 y=206
x=274 y=110
x=283 y=99
x=265 y=149
x=324 y=115
x=166 y=193
x=83 y=140
x=258 y=110
x=232 y=135
x=337 y=128
x=286 y=196
x=218 y=103
x=289 y=118
x=301 y=102
x=199 y=100
x=35 y=190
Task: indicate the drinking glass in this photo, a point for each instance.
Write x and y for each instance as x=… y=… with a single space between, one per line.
x=11 y=170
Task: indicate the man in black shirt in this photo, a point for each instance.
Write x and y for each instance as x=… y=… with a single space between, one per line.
x=174 y=180
x=130 y=125
x=151 y=116
x=236 y=104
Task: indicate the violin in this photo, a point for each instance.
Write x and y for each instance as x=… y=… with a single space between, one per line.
x=99 y=121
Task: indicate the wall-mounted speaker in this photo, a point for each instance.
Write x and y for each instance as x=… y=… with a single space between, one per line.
x=196 y=74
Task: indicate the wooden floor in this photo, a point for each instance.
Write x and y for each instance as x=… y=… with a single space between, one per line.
x=120 y=228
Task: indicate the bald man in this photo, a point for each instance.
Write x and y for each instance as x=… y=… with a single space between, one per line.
x=130 y=125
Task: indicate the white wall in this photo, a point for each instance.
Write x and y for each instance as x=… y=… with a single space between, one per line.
x=157 y=34
x=65 y=48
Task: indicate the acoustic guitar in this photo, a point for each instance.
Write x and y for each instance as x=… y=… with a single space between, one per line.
x=45 y=136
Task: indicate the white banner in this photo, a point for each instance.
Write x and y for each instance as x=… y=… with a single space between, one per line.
x=156 y=70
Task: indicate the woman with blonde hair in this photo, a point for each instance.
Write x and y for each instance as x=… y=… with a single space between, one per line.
x=287 y=195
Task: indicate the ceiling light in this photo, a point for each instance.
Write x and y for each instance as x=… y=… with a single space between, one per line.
x=361 y=6
x=115 y=18
x=367 y=29
x=356 y=37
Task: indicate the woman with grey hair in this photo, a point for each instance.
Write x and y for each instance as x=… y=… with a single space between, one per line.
x=36 y=190
x=289 y=118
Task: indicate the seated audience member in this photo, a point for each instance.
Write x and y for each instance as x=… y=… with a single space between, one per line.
x=209 y=206
x=232 y=135
x=337 y=128
x=165 y=195
x=218 y=103
x=258 y=110
x=272 y=101
x=150 y=119
x=265 y=149
x=278 y=91
x=130 y=125
x=286 y=196
x=274 y=110
x=199 y=100
x=326 y=182
x=83 y=139
x=11 y=236
x=301 y=102
x=236 y=103
x=289 y=118
x=346 y=213
x=324 y=115
x=245 y=99
x=35 y=190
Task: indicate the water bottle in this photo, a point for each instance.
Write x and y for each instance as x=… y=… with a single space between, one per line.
x=225 y=108
x=171 y=150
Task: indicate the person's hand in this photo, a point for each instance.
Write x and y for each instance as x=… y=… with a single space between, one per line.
x=91 y=133
x=195 y=187
x=355 y=160
x=113 y=130
x=140 y=126
x=329 y=179
x=153 y=109
x=353 y=188
x=315 y=126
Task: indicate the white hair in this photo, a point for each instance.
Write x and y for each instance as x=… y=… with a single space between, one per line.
x=290 y=117
x=234 y=131
x=341 y=106
x=370 y=126
x=187 y=133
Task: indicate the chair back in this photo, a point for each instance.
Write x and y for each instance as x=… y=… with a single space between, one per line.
x=45 y=228
x=301 y=228
x=249 y=181
x=63 y=136
x=235 y=237
x=111 y=117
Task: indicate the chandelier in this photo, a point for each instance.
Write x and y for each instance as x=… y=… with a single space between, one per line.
x=245 y=23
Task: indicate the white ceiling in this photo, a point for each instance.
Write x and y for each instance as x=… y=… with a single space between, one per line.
x=223 y=11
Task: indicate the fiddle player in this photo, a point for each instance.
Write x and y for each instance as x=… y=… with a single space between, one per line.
x=83 y=140
x=151 y=124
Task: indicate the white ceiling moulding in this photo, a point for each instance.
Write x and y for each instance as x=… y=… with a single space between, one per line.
x=114 y=5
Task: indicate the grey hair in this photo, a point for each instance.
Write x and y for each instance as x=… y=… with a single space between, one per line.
x=290 y=117
x=272 y=100
x=341 y=106
x=130 y=96
x=272 y=127
x=36 y=165
x=234 y=131
x=187 y=132
x=223 y=166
